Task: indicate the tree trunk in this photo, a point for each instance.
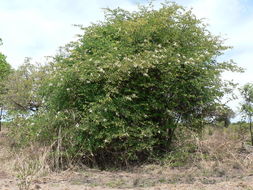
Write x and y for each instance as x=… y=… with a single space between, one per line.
x=171 y=133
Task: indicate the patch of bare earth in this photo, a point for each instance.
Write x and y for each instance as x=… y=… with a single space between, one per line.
x=100 y=180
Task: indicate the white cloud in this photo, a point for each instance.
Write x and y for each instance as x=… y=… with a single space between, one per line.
x=232 y=19
x=36 y=29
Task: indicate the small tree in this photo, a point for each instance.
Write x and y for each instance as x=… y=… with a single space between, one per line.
x=223 y=114
x=4 y=72
x=22 y=86
x=247 y=105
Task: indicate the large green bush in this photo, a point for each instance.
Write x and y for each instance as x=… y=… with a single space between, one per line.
x=118 y=94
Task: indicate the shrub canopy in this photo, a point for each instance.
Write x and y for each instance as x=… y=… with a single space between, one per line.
x=118 y=93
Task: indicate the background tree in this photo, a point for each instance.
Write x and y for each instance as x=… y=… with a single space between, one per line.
x=118 y=94
x=223 y=114
x=247 y=105
x=22 y=86
x=5 y=70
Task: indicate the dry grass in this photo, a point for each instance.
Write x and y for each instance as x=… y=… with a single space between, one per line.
x=217 y=157
x=222 y=151
x=30 y=165
x=24 y=166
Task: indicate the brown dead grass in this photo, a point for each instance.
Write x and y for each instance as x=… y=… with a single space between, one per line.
x=222 y=151
x=7 y=159
x=219 y=162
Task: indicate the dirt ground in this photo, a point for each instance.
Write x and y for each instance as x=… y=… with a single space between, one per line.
x=78 y=181
x=149 y=177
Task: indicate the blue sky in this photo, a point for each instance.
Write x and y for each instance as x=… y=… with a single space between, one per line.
x=37 y=28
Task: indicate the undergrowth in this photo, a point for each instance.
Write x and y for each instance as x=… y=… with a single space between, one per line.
x=215 y=152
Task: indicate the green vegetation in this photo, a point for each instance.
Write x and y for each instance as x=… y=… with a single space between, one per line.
x=122 y=92
x=5 y=70
x=223 y=114
x=247 y=105
x=23 y=85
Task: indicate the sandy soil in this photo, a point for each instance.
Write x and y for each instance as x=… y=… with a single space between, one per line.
x=59 y=182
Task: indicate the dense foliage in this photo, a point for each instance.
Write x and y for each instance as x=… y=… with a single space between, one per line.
x=118 y=94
